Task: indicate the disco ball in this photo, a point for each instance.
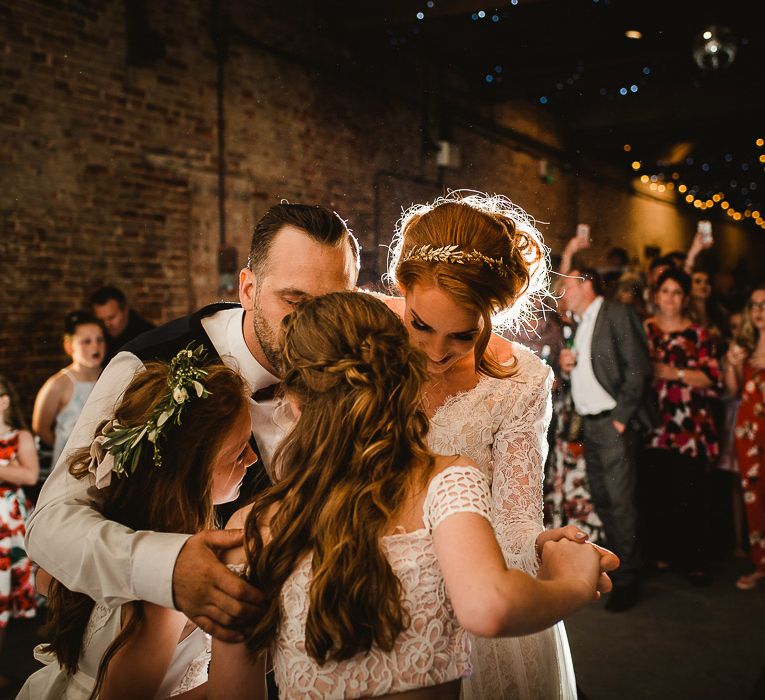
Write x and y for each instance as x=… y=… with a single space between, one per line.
x=715 y=48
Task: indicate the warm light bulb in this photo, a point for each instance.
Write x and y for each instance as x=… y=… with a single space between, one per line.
x=644 y=178
x=662 y=188
x=636 y=165
x=670 y=185
x=633 y=34
x=709 y=203
x=724 y=205
x=689 y=198
x=627 y=148
x=681 y=188
x=697 y=203
x=653 y=186
x=747 y=213
x=756 y=214
x=762 y=158
x=737 y=217
x=716 y=197
x=760 y=142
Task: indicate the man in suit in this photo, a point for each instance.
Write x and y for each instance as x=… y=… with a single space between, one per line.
x=297 y=251
x=610 y=378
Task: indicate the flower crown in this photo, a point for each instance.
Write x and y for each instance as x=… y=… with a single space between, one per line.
x=118 y=449
x=452 y=254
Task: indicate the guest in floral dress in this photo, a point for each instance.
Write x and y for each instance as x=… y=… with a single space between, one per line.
x=18 y=465
x=681 y=449
x=745 y=374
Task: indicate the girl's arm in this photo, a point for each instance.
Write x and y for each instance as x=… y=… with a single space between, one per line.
x=490 y=600
x=24 y=468
x=47 y=405
x=138 y=668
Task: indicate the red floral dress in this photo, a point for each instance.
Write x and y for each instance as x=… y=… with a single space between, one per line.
x=17 y=589
x=750 y=452
x=687 y=424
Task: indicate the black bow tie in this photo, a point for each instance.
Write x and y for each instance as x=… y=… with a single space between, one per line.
x=266 y=393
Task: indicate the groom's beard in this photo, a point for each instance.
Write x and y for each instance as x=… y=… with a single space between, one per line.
x=267 y=339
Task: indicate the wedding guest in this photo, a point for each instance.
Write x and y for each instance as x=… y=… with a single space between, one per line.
x=122 y=323
x=686 y=374
x=367 y=539
x=178 y=443
x=18 y=468
x=703 y=308
x=745 y=376
x=610 y=375
x=61 y=399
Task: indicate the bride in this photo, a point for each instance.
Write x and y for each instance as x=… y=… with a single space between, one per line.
x=465 y=265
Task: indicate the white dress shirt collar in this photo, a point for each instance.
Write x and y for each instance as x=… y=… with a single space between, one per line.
x=226 y=332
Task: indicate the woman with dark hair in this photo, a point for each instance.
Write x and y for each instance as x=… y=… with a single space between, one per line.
x=681 y=449
x=60 y=400
x=375 y=556
x=704 y=308
x=745 y=377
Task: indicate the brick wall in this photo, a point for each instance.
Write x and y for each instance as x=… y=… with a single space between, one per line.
x=109 y=170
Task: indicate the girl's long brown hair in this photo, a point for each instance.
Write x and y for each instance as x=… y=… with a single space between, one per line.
x=176 y=497
x=357 y=450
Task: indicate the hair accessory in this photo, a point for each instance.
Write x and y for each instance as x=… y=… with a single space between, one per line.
x=118 y=449
x=452 y=254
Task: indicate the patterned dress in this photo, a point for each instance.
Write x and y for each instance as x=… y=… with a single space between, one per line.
x=687 y=424
x=750 y=451
x=567 y=492
x=17 y=589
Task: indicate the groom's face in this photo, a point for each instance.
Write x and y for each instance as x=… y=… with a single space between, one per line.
x=298 y=267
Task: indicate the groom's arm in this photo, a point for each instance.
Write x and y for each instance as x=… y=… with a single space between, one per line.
x=71 y=540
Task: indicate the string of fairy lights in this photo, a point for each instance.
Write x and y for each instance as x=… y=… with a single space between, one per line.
x=693 y=196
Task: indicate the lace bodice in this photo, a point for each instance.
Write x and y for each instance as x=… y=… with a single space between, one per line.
x=433 y=649
x=502 y=425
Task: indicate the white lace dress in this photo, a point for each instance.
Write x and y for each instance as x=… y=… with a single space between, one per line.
x=502 y=425
x=187 y=670
x=434 y=649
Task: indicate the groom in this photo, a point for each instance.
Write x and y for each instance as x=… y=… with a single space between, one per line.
x=297 y=251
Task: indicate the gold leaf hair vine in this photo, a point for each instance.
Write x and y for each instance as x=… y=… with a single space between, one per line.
x=452 y=254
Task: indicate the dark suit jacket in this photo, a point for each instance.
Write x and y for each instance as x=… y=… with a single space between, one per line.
x=621 y=364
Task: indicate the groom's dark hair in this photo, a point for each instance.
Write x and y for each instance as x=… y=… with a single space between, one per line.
x=322 y=224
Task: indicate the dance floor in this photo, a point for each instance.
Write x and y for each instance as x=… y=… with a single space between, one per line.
x=678 y=642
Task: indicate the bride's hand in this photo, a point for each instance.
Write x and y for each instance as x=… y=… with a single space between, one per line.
x=570 y=532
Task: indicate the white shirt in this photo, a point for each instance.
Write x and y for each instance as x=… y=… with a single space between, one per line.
x=105 y=560
x=589 y=396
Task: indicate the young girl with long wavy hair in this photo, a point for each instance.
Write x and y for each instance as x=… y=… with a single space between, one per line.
x=177 y=445
x=373 y=554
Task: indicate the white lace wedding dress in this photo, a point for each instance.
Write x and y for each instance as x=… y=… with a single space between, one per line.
x=502 y=425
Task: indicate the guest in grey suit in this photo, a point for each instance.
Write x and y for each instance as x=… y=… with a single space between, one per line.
x=610 y=384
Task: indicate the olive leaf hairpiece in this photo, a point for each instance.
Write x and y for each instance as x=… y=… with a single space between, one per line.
x=452 y=254
x=124 y=446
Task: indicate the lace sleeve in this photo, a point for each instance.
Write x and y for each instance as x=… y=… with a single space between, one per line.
x=457 y=489
x=519 y=453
